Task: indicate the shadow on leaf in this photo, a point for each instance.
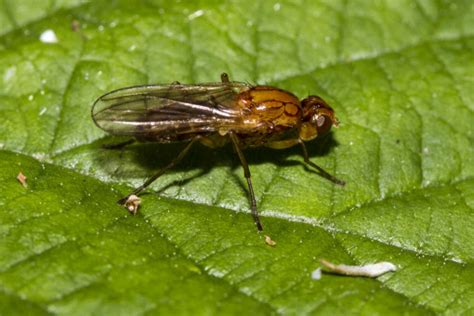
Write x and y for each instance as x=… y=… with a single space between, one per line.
x=141 y=160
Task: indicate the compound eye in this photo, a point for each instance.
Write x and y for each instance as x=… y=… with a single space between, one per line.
x=320 y=120
x=323 y=123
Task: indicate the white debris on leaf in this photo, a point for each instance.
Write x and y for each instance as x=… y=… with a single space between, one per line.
x=372 y=270
x=269 y=241
x=48 y=37
x=316 y=274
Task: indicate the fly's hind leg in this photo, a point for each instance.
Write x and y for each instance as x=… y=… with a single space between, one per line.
x=151 y=179
x=243 y=161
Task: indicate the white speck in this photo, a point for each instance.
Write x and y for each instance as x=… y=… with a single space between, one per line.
x=42 y=111
x=101 y=28
x=2 y=145
x=316 y=274
x=426 y=150
x=113 y=24
x=9 y=73
x=196 y=14
x=132 y=48
x=99 y=73
x=31 y=97
x=277 y=6
x=49 y=37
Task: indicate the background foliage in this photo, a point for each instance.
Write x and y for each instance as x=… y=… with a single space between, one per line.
x=400 y=76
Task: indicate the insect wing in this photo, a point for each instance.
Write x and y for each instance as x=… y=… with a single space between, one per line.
x=168 y=109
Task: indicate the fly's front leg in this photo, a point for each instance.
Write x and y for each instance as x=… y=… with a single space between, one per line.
x=322 y=172
x=282 y=144
x=151 y=179
x=243 y=161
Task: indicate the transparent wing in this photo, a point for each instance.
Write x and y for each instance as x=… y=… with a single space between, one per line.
x=167 y=110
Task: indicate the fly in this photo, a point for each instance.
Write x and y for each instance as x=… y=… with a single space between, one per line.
x=215 y=114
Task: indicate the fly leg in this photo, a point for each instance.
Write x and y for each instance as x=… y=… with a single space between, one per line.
x=322 y=172
x=253 y=202
x=151 y=179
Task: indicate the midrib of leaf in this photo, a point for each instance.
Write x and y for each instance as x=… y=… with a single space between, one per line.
x=326 y=224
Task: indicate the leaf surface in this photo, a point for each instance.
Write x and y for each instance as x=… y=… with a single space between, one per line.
x=400 y=77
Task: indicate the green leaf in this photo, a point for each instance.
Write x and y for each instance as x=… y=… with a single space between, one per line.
x=400 y=76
